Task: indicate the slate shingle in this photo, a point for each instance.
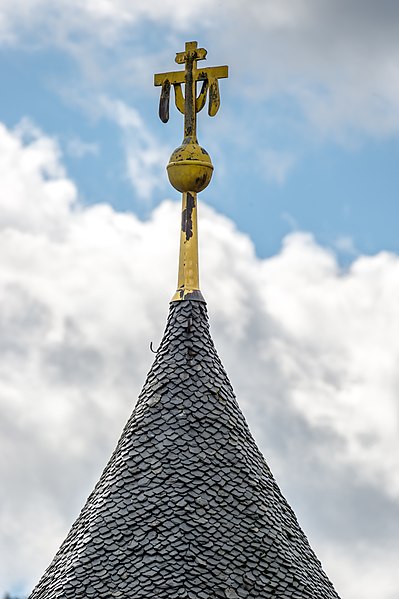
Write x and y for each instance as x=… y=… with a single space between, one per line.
x=187 y=506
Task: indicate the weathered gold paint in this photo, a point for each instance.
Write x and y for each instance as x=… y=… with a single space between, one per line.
x=190 y=167
x=188 y=276
x=190 y=105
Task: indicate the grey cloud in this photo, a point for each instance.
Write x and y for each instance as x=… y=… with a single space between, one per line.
x=22 y=316
x=303 y=460
x=72 y=361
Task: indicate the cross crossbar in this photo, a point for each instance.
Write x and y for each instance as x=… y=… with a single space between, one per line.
x=178 y=77
x=190 y=104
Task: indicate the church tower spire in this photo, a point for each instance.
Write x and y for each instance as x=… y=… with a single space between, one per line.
x=187 y=507
x=190 y=167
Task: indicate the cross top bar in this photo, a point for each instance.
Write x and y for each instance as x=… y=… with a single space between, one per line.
x=191 y=103
x=191 y=50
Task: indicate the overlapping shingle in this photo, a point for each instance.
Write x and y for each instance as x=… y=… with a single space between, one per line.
x=186 y=507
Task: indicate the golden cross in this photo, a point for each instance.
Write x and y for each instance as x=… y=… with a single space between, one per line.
x=190 y=167
x=190 y=104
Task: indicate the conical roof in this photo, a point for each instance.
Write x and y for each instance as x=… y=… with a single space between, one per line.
x=187 y=506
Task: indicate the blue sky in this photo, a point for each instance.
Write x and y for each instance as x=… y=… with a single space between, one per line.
x=299 y=255
x=336 y=181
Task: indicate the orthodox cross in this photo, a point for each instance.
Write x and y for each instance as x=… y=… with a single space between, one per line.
x=190 y=104
x=190 y=166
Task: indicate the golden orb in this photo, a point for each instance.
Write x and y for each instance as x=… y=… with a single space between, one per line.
x=190 y=168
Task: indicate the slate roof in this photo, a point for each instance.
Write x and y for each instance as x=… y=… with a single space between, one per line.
x=187 y=506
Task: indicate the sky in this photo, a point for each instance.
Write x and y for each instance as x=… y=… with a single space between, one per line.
x=299 y=256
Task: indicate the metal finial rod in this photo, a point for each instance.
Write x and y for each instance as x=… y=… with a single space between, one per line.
x=190 y=114
x=190 y=167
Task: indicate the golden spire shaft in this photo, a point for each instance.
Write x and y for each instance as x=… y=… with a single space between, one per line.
x=188 y=275
x=190 y=167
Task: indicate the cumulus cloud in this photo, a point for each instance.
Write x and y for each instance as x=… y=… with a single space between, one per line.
x=341 y=349
x=312 y=353
x=51 y=342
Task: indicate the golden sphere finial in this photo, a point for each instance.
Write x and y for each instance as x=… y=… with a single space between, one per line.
x=190 y=167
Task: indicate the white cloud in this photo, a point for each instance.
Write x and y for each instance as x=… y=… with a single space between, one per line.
x=346 y=245
x=340 y=348
x=35 y=192
x=146 y=157
x=77 y=148
x=367 y=572
x=275 y=165
x=312 y=353
x=108 y=17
